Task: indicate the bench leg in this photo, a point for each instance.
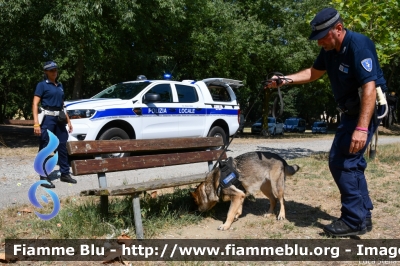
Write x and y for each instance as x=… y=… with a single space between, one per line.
x=210 y=165
x=137 y=216
x=103 y=199
x=104 y=205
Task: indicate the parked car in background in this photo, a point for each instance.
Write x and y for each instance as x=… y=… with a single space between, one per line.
x=275 y=126
x=294 y=124
x=319 y=127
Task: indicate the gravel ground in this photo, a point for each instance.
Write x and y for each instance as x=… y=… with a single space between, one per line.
x=17 y=173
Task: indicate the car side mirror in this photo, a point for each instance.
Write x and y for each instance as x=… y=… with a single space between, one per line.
x=151 y=98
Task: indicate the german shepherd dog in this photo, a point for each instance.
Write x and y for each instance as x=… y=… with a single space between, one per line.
x=263 y=171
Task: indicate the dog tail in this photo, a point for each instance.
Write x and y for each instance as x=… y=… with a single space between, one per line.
x=291 y=169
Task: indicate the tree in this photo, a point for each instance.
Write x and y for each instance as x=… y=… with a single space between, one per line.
x=377 y=19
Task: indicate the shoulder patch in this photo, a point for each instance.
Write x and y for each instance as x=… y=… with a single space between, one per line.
x=367 y=64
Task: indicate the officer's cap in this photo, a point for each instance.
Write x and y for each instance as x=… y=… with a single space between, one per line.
x=323 y=22
x=49 y=65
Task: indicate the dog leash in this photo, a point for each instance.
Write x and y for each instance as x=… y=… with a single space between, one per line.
x=278 y=80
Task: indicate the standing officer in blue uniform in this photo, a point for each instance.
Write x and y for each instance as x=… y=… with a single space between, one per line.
x=50 y=93
x=351 y=62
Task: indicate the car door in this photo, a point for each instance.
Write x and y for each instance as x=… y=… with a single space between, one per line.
x=191 y=110
x=161 y=118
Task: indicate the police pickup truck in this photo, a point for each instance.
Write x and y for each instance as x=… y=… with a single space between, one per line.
x=151 y=109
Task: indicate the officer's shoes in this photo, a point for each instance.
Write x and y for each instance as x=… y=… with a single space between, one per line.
x=368 y=223
x=339 y=228
x=67 y=178
x=49 y=185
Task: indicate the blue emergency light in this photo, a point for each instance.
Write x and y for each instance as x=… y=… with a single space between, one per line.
x=167 y=76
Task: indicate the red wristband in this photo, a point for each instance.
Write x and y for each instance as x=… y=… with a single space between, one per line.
x=362 y=129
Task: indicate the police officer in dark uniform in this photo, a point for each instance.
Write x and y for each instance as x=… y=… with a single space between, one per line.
x=351 y=62
x=50 y=93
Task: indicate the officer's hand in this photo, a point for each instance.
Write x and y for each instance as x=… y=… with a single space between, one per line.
x=358 y=140
x=274 y=82
x=70 y=128
x=37 y=131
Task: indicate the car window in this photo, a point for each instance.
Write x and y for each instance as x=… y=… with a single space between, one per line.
x=319 y=124
x=219 y=94
x=165 y=92
x=122 y=91
x=291 y=122
x=278 y=121
x=186 y=94
x=271 y=120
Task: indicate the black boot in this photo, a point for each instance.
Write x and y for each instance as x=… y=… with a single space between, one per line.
x=51 y=185
x=368 y=223
x=67 y=178
x=339 y=228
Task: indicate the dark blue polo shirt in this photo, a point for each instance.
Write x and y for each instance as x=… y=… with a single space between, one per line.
x=355 y=65
x=50 y=94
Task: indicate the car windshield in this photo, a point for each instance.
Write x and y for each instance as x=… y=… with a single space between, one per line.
x=124 y=91
x=291 y=122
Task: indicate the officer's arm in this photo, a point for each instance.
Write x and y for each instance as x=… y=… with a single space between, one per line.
x=305 y=76
x=70 y=128
x=368 y=98
x=35 y=104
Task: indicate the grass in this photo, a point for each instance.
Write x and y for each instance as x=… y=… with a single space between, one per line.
x=80 y=217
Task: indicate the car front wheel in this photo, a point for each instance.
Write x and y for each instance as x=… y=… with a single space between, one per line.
x=219 y=133
x=114 y=134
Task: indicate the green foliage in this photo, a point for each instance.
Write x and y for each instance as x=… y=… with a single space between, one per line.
x=99 y=43
x=377 y=19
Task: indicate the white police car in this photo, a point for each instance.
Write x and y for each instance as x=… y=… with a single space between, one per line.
x=151 y=109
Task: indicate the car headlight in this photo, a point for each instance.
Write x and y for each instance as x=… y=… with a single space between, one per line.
x=77 y=114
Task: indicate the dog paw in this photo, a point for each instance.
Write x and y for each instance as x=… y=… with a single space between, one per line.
x=281 y=218
x=223 y=227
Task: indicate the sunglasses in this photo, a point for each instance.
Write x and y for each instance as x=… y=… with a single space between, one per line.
x=52 y=70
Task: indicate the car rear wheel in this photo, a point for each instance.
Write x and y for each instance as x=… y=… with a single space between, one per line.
x=219 y=133
x=114 y=134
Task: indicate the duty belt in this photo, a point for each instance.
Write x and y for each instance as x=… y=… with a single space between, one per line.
x=52 y=113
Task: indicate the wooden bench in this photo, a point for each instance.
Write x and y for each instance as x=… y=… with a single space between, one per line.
x=144 y=154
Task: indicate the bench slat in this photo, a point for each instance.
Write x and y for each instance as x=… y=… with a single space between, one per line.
x=94 y=166
x=149 y=185
x=140 y=145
